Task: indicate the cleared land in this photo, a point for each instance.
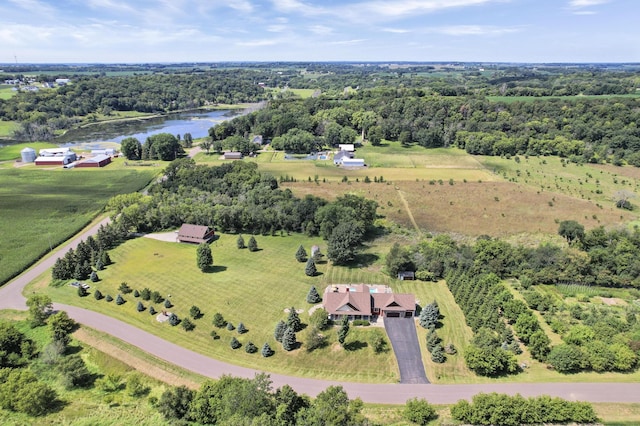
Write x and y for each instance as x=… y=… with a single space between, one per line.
x=7 y=128
x=42 y=208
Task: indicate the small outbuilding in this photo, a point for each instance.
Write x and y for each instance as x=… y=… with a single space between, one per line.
x=195 y=234
x=406 y=275
x=353 y=162
x=349 y=147
x=233 y=155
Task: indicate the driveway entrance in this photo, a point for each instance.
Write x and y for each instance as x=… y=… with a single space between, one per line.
x=404 y=339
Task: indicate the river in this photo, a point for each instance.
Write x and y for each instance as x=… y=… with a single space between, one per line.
x=195 y=122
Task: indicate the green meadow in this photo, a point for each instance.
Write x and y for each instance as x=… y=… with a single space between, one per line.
x=41 y=208
x=12 y=152
x=7 y=128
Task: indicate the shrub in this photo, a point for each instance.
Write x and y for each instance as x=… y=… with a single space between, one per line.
x=266 y=350
x=214 y=335
x=145 y=294
x=124 y=288
x=419 y=411
x=195 y=312
x=174 y=320
x=187 y=325
x=218 y=320
x=250 y=348
x=361 y=322
x=108 y=298
x=82 y=292
x=234 y=343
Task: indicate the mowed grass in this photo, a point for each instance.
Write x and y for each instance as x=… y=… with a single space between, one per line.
x=252 y=288
x=12 y=152
x=6 y=91
x=40 y=209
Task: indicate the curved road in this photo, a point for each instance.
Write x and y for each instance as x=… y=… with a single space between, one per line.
x=11 y=298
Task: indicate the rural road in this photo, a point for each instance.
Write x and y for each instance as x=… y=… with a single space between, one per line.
x=11 y=298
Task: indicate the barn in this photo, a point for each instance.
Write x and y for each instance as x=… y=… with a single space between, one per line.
x=100 y=160
x=197 y=234
x=56 y=160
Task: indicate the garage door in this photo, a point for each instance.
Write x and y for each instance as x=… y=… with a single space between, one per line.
x=393 y=314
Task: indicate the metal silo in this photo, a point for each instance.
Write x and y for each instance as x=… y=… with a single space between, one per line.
x=28 y=155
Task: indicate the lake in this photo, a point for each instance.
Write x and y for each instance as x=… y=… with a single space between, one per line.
x=195 y=122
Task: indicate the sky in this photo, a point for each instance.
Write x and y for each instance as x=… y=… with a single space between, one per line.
x=135 y=31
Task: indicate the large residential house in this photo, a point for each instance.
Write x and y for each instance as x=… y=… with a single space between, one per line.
x=366 y=302
x=196 y=234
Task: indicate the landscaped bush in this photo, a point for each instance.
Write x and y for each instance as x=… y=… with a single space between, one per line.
x=361 y=322
x=218 y=320
x=214 y=335
x=419 y=411
x=187 y=325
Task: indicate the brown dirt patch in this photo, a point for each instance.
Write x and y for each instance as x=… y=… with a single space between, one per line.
x=138 y=363
x=612 y=301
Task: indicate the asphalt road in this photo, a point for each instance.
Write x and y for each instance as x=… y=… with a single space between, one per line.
x=11 y=298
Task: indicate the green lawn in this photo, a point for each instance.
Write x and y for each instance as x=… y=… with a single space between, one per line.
x=12 y=152
x=42 y=208
x=6 y=91
x=7 y=128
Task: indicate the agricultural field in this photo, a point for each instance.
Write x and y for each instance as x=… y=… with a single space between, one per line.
x=41 y=208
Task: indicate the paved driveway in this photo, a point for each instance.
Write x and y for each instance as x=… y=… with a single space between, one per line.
x=404 y=339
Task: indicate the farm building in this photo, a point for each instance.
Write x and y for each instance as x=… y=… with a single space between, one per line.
x=197 y=234
x=349 y=147
x=28 y=155
x=340 y=156
x=106 y=151
x=233 y=155
x=100 y=160
x=53 y=152
x=56 y=160
x=352 y=162
x=363 y=301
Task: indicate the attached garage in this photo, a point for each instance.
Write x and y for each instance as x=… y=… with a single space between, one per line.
x=392 y=314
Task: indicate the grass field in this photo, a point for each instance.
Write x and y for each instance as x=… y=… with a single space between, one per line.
x=42 y=208
x=12 y=152
x=6 y=91
x=7 y=128
x=252 y=288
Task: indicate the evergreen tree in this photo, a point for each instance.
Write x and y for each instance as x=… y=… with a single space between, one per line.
x=279 y=331
x=99 y=265
x=218 y=320
x=250 y=348
x=108 y=298
x=432 y=339
x=136 y=293
x=145 y=294
x=97 y=294
x=152 y=310
x=293 y=321
x=289 y=341
x=119 y=300
x=167 y=304
x=266 y=350
x=105 y=258
x=241 y=328
x=82 y=292
x=187 y=325
x=437 y=354
x=240 y=242
x=234 y=343
x=310 y=269
x=253 y=244
x=195 y=312
x=94 y=277
x=313 y=296
x=429 y=315
x=344 y=330
x=230 y=326
x=204 y=256
x=301 y=254
x=174 y=320
x=140 y=307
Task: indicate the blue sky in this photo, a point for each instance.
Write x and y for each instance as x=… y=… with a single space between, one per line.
x=107 y=31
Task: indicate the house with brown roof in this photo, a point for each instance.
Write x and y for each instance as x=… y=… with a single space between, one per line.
x=196 y=234
x=363 y=301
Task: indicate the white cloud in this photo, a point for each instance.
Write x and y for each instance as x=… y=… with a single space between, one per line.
x=277 y=28
x=586 y=3
x=396 y=30
x=257 y=43
x=321 y=29
x=292 y=6
x=466 y=30
x=347 y=42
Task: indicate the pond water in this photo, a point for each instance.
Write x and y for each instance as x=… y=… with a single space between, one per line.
x=196 y=122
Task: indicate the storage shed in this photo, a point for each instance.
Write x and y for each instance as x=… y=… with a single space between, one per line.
x=233 y=155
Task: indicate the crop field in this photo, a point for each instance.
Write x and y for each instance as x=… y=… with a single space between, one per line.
x=42 y=208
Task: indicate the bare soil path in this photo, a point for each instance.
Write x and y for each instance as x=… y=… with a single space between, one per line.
x=11 y=298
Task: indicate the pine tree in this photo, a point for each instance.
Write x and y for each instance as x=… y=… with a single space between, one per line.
x=266 y=350
x=301 y=254
x=313 y=296
x=241 y=328
x=218 y=320
x=234 y=343
x=119 y=300
x=310 y=269
x=293 y=321
x=253 y=244
x=429 y=315
x=230 y=326
x=145 y=294
x=279 y=331
x=152 y=310
x=204 y=257
x=105 y=258
x=344 y=330
x=432 y=339
x=437 y=354
x=136 y=293
x=94 y=277
x=167 y=304
x=240 y=242
x=108 y=298
x=174 y=320
x=250 y=348
x=97 y=294
x=195 y=312
x=187 y=325
x=289 y=341
x=140 y=307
